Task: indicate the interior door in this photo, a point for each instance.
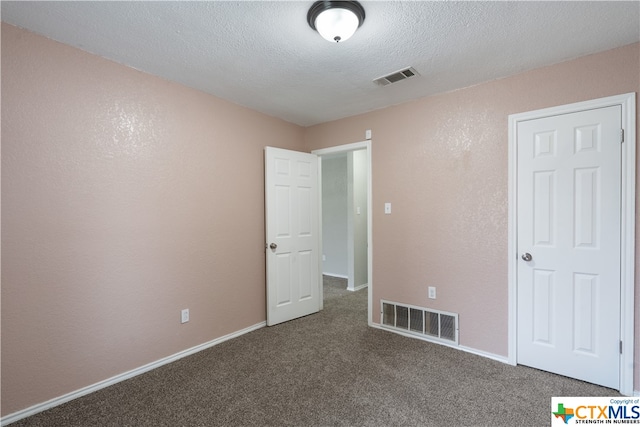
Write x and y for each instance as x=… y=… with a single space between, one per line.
x=292 y=234
x=568 y=240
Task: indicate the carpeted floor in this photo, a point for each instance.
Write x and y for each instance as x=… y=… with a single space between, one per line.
x=327 y=369
x=334 y=287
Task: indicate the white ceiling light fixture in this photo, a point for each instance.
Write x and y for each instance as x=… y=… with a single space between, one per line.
x=336 y=21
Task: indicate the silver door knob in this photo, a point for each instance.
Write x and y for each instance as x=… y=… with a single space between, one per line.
x=273 y=246
x=527 y=257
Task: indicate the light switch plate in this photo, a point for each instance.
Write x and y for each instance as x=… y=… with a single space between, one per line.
x=387 y=208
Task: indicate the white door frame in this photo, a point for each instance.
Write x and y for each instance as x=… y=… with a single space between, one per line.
x=366 y=145
x=627 y=253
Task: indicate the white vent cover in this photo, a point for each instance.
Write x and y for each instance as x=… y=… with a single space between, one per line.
x=433 y=325
x=396 y=76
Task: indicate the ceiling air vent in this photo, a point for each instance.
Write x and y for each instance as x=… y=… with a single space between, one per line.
x=396 y=77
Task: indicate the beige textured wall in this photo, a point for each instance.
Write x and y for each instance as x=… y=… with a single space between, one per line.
x=442 y=163
x=125 y=199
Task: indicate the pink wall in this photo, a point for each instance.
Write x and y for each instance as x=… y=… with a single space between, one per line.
x=442 y=162
x=126 y=198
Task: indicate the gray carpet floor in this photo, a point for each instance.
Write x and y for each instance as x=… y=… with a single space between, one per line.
x=327 y=369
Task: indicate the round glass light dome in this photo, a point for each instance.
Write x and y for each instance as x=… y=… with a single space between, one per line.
x=335 y=20
x=337 y=25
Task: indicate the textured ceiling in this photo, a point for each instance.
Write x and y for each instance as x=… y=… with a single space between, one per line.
x=263 y=54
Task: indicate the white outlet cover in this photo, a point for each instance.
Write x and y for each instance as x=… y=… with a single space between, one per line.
x=432 y=292
x=387 y=208
x=185 y=315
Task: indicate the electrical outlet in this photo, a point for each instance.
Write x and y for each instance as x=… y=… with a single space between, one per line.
x=387 y=208
x=432 y=292
x=185 y=315
x=324 y=257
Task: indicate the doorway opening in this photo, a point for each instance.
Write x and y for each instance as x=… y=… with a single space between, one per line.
x=346 y=216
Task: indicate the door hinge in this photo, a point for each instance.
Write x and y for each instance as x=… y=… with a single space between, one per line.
x=620 y=346
x=621 y=135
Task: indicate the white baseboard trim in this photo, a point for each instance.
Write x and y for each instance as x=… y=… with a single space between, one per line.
x=40 y=407
x=496 y=357
x=339 y=276
x=357 y=288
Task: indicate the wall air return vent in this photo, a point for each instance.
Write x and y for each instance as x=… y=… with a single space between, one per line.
x=397 y=76
x=426 y=323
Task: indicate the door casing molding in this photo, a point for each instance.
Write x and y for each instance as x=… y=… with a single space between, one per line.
x=627 y=246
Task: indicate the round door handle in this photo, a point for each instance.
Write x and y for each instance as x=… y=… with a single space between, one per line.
x=527 y=257
x=273 y=246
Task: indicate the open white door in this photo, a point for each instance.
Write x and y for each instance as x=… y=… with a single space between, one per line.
x=292 y=233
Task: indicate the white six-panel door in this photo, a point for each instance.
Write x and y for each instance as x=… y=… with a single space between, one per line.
x=568 y=242
x=292 y=234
